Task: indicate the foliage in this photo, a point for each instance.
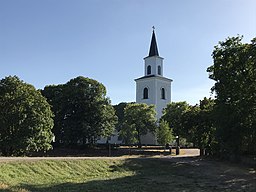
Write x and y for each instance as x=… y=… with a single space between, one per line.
x=234 y=73
x=206 y=134
x=198 y=123
x=190 y=120
x=55 y=95
x=83 y=113
x=25 y=118
x=139 y=119
x=172 y=114
x=119 y=111
x=192 y=123
x=164 y=133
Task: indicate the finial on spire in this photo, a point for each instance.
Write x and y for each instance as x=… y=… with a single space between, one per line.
x=153 y=51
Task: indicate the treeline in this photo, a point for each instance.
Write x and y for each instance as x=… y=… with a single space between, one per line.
x=224 y=126
x=82 y=111
x=26 y=119
x=234 y=73
x=74 y=113
x=78 y=112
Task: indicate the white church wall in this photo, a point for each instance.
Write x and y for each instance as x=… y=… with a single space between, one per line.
x=154 y=85
x=113 y=139
x=154 y=62
x=154 y=81
x=160 y=102
x=145 y=83
x=148 y=139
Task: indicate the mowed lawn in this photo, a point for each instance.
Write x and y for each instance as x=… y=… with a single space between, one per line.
x=132 y=174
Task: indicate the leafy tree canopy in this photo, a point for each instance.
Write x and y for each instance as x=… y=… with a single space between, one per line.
x=197 y=121
x=139 y=119
x=119 y=111
x=173 y=113
x=164 y=133
x=83 y=113
x=234 y=73
x=25 y=118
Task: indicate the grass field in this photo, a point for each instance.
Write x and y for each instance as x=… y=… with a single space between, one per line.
x=136 y=174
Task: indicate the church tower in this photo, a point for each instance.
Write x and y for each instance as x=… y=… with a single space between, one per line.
x=153 y=87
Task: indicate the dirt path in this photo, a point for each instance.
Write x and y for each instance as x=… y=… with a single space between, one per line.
x=183 y=153
x=7 y=159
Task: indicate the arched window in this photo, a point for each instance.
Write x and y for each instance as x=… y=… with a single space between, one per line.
x=149 y=70
x=162 y=93
x=159 y=70
x=145 y=93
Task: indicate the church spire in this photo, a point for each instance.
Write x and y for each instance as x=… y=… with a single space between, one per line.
x=153 y=46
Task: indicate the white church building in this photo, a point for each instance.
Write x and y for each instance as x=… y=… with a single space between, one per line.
x=153 y=87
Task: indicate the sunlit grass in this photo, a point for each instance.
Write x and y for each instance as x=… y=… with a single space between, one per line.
x=50 y=172
x=126 y=175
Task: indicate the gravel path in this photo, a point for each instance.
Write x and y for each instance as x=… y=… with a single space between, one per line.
x=184 y=153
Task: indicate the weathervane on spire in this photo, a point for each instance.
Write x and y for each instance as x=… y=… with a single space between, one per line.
x=153 y=27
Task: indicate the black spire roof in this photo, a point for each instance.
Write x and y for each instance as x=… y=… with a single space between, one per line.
x=153 y=46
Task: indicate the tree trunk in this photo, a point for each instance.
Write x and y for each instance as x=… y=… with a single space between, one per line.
x=202 y=151
x=139 y=141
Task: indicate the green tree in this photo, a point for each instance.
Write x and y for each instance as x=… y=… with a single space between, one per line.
x=190 y=119
x=83 y=112
x=25 y=118
x=197 y=122
x=234 y=73
x=164 y=133
x=139 y=119
x=119 y=111
x=207 y=130
x=172 y=114
x=55 y=96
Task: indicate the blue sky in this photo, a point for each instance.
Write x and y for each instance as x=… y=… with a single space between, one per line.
x=47 y=42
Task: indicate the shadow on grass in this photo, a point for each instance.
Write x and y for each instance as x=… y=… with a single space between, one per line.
x=153 y=174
